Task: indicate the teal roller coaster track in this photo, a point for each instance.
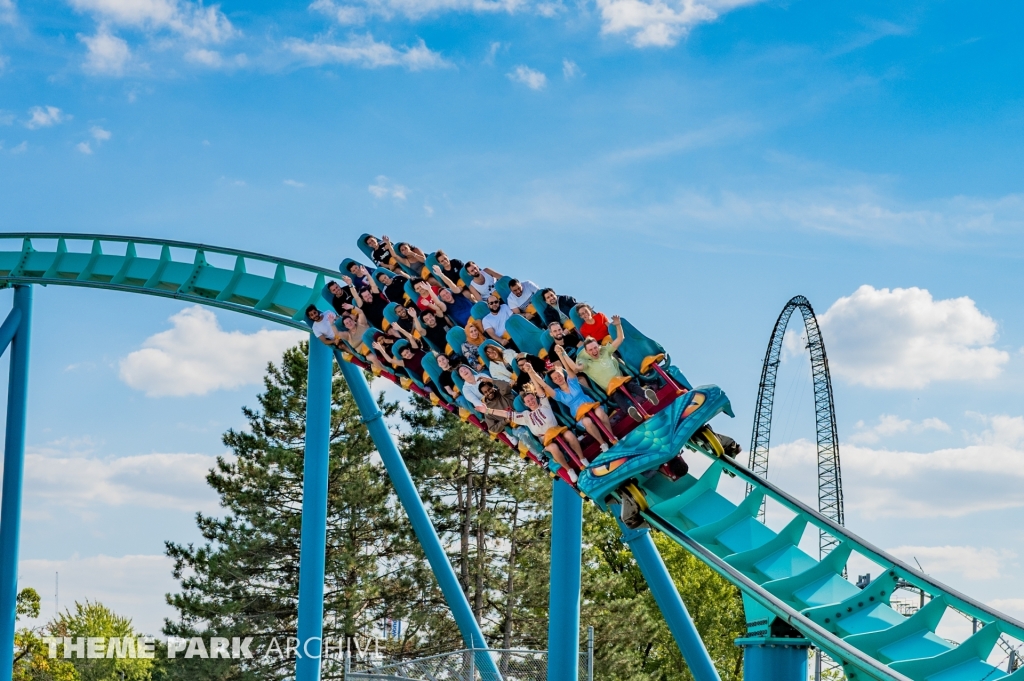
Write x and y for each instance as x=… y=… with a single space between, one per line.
x=792 y=599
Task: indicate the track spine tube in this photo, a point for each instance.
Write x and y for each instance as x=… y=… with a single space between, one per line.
x=405 y=488
x=670 y=603
x=564 y=599
x=313 y=546
x=14 y=472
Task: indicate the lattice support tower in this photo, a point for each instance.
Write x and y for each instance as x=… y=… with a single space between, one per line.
x=830 y=479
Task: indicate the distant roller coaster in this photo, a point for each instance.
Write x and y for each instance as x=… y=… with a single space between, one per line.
x=830 y=479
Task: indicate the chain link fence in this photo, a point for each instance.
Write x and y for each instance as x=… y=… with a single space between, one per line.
x=464 y=665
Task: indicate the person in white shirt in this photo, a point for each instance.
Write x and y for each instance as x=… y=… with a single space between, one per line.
x=519 y=294
x=500 y=363
x=539 y=420
x=323 y=326
x=494 y=321
x=481 y=282
x=471 y=386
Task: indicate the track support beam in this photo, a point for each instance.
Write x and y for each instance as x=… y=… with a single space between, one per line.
x=14 y=471
x=564 y=599
x=313 y=546
x=405 y=488
x=774 y=659
x=670 y=603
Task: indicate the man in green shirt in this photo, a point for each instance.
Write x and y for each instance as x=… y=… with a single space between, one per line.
x=601 y=366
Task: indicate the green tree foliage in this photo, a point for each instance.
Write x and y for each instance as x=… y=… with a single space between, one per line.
x=90 y=619
x=492 y=510
x=243 y=581
x=27 y=604
x=31 y=654
x=632 y=640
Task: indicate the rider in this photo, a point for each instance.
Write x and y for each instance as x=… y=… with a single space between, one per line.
x=495 y=320
x=601 y=366
x=569 y=392
x=539 y=419
x=519 y=294
x=323 y=326
x=482 y=281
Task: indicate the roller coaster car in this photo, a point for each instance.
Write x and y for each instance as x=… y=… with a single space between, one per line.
x=655 y=446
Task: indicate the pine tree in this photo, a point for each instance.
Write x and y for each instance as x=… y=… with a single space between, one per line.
x=243 y=581
x=492 y=509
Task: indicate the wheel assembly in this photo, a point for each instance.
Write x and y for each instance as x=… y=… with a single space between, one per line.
x=633 y=504
x=707 y=437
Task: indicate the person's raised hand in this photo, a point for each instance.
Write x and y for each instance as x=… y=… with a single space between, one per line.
x=387 y=239
x=436 y=269
x=347 y=280
x=346 y=306
x=481 y=408
x=412 y=311
x=616 y=320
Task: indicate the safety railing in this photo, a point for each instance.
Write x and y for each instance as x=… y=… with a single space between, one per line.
x=462 y=665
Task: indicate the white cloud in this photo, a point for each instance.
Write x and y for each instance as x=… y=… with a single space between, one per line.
x=197 y=356
x=428 y=210
x=968 y=561
x=859 y=210
x=6 y=117
x=190 y=20
x=8 y=12
x=365 y=52
x=983 y=475
x=68 y=474
x=660 y=23
x=343 y=14
x=535 y=80
x=385 y=188
x=1010 y=606
x=98 y=134
x=492 y=51
x=889 y=425
x=210 y=58
x=106 y=54
x=294 y=183
x=131 y=585
x=45 y=117
x=214 y=59
x=903 y=338
x=20 y=149
x=356 y=12
x=719 y=132
x=570 y=69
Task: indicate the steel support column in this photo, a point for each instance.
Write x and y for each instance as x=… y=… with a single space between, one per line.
x=564 y=600
x=774 y=659
x=9 y=328
x=669 y=602
x=314 y=511
x=405 y=488
x=14 y=469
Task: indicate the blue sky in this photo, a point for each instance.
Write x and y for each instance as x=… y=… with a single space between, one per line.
x=690 y=165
